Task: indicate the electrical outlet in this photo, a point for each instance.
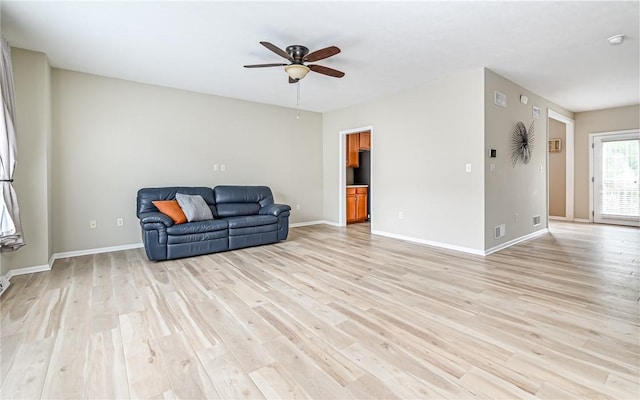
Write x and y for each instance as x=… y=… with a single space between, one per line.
x=222 y=167
x=298 y=207
x=120 y=222
x=400 y=215
x=93 y=224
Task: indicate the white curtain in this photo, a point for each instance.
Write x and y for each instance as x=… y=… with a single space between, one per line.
x=10 y=225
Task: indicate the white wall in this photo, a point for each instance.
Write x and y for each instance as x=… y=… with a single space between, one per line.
x=113 y=137
x=421 y=141
x=514 y=194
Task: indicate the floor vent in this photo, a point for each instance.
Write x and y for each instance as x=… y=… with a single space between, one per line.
x=499 y=231
x=536 y=220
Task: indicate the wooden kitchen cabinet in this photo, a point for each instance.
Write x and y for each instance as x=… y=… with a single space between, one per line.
x=353 y=147
x=351 y=205
x=357 y=204
x=364 y=140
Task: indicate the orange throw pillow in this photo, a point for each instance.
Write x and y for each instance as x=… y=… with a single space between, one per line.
x=172 y=209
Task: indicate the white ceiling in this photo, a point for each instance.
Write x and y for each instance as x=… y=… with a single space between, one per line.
x=558 y=50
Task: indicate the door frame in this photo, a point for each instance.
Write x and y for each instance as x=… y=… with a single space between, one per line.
x=592 y=137
x=569 y=162
x=342 y=172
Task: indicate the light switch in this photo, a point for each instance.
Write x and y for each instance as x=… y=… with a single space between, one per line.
x=468 y=167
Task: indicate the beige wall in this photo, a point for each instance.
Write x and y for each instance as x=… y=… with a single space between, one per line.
x=32 y=179
x=613 y=119
x=558 y=171
x=421 y=141
x=514 y=194
x=113 y=137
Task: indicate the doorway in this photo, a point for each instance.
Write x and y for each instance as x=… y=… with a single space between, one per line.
x=560 y=163
x=342 y=167
x=615 y=178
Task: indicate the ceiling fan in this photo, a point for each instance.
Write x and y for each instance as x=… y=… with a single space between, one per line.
x=298 y=55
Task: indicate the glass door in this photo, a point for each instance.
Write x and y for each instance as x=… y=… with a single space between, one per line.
x=616 y=179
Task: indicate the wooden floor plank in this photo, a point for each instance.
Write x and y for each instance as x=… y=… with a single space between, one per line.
x=334 y=313
x=107 y=374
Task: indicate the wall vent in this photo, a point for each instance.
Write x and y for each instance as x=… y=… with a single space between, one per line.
x=536 y=220
x=499 y=231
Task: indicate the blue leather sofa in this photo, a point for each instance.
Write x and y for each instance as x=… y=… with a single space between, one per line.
x=243 y=216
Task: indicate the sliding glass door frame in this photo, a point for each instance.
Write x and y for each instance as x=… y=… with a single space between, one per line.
x=593 y=170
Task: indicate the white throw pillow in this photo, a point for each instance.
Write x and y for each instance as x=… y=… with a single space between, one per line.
x=194 y=207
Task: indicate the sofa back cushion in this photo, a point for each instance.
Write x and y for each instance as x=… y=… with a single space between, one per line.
x=232 y=201
x=147 y=195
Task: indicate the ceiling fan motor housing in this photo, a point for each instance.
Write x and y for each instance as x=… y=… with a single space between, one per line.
x=297 y=52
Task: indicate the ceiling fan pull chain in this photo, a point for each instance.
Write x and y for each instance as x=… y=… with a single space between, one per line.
x=298 y=101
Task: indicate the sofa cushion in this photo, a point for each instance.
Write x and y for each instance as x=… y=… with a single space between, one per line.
x=190 y=228
x=250 y=220
x=197 y=237
x=252 y=230
x=146 y=196
x=194 y=207
x=234 y=201
x=172 y=209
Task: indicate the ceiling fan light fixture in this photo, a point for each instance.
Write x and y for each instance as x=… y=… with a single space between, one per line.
x=297 y=71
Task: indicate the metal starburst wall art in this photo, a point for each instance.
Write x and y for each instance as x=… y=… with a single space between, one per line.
x=522 y=143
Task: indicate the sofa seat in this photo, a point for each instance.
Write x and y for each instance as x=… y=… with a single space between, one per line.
x=190 y=228
x=251 y=230
x=250 y=220
x=197 y=237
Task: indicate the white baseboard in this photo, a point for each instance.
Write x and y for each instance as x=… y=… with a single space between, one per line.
x=78 y=253
x=317 y=222
x=99 y=250
x=515 y=241
x=583 y=220
x=28 y=270
x=307 y=223
x=555 y=218
x=462 y=248
x=429 y=242
x=56 y=256
x=332 y=223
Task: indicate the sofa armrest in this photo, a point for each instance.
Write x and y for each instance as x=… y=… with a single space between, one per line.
x=153 y=218
x=274 y=209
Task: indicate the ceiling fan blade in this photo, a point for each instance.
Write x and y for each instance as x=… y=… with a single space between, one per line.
x=322 y=54
x=326 y=71
x=264 y=65
x=291 y=80
x=277 y=50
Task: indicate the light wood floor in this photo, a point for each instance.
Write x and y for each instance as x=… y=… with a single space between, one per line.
x=333 y=313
